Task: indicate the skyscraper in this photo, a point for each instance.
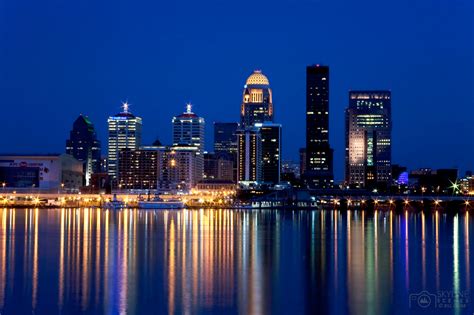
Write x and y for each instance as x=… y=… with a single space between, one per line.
x=225 y=138
x=84 y=146
x=125 y=132
x=368 y=139
x=271 y=151
x=249 y=160
x=188 y=130
x=257 y=106
x=319 y=155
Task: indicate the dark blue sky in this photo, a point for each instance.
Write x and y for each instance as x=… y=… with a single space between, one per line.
x=62 y=58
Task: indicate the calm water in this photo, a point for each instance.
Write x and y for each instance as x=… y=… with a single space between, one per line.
x=202 y=261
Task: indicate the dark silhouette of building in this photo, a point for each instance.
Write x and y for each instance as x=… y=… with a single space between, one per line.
x=319 y=155
x=225 y=138
x=218 y=167
x=271 y=151
x=84 y=146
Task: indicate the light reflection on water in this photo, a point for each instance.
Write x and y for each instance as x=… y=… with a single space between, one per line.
x=223 y=261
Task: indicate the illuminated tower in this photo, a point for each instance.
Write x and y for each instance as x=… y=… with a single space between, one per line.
x=188 y=130
x=319 y=155
x=257 y=106
x=84 y=146
x=368 y=139
x=249 y=159
x=125 y=132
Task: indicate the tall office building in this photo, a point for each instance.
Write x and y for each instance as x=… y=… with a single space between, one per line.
x=125 y=132
x=84 y=146
x=257 y=106
x=188 y=130
x=368 y=139
x=225 y=138
x=249 y=159
x=270 y=134
x=319 y=155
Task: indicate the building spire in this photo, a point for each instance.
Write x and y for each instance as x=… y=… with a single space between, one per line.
x=125 y=107
x=189 y=107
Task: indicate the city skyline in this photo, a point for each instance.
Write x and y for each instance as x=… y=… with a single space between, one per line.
x=410 y=59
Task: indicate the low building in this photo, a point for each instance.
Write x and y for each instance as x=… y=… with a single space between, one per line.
x=428 y=181
x=45 y=172
x=215 y=184
x=138 y=169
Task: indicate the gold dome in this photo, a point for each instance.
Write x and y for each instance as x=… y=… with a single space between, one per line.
x=257 y=78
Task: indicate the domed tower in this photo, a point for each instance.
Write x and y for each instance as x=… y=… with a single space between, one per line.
x=257 y=106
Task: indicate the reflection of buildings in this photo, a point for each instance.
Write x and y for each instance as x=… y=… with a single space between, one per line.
x=125 y=132
x=368 y=139
x=224 y=261
x=47 y=173
x=84 y=146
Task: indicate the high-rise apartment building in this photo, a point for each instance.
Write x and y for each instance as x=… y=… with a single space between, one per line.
x=84 y=146
x=319 y=155
x=125 y=132
x=368 y=139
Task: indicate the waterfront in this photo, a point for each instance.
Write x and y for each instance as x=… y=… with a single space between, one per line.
x=71 y=261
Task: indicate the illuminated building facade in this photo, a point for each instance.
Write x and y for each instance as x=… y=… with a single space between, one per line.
x=319 y=155
x=270 y=134
x=368 y=139
x=45 y=173
x=177 y=168
x=249 y=166
x=84 y=146
x=138 y=169
x=257 y=106
x=188 y=130
x=125 y=132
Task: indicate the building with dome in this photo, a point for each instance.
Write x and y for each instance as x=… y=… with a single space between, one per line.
x=259 y=140
x=257 y=106
x=125 y=132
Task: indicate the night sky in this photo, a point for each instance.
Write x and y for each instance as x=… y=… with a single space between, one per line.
x=61 y=58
